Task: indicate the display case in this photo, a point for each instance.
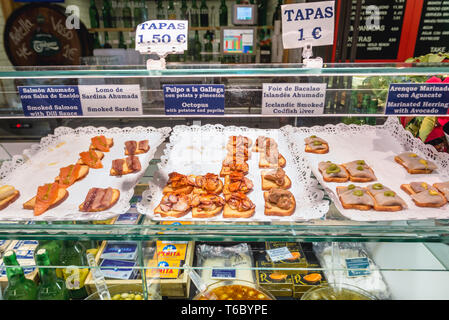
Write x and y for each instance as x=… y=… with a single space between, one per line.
x=386 y=254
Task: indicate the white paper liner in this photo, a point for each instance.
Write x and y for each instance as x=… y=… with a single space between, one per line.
x=41 y=163
x=377 y=145
x=201 y=149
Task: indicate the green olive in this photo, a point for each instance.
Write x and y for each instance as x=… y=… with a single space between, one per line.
x=313 y=137
x=361 y=162
x=378 y=186
x=389 y=194
x=333 y=168
x=317 y=143
x=351 y=186
x=360 y=168
x=357 y=193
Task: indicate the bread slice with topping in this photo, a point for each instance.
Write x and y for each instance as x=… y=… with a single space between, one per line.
x=8 y=194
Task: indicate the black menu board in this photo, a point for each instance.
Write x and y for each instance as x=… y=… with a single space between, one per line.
x=380 y=43
x=433 y=32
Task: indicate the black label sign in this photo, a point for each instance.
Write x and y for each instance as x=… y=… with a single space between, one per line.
x=381 y=40
x=433 y=33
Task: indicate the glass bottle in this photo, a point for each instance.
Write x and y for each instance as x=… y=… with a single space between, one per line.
x=19 y=287
x=106 y=45
x=97 y=44
x=194 y=15
x=262 y=13
x=171 y=11
x=93 y=15
x=121 y=41
x=53 y=247
x=73 y=257
x=197 y=47
x=277 y=12
x=137 y=13
x=204 y=14
x=50 y=287
x=223 y=14
x=184 y=15
x=208 y=47
x=107 y=14
x=127 y=16
x=160 y=14
x=114 y=15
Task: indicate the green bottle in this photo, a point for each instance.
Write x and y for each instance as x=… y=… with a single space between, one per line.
x=194 y=15
x=97 y=44
x=262 y=13
x=171 y=11
x=107 y=14
x=53 y=247
x=277 y=16
x=208 y=47
x=140 y=12
x=184 y=15
x=93 y=15
x=19 y=287
x=160 y=14
x=223 y=14
x=121 y=41
x=197 y=47
x=127 y=16
x=50 y=287
x=204 y=14
x=73 y=257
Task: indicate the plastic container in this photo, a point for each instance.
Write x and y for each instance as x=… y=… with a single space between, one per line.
x=327 y=292
x=220 y=290
x=136 y=289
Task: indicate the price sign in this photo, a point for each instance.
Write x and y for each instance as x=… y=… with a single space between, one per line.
x=162 y=36
x=308 y=23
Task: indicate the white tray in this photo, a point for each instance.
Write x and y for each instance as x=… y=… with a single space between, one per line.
x=201 y=149
x=40 y=164
x=377 y=145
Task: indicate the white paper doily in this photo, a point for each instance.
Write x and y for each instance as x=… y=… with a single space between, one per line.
x=377 y=145
x=201 y=149
x=40 y=164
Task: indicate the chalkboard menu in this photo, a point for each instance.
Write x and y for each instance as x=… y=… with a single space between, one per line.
x=37 y=35
x=433 y=33
x=377 y=41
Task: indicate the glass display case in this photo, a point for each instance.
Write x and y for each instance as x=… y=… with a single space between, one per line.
x=384 y=254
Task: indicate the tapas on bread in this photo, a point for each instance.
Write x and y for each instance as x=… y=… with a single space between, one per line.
x=98 y=199
x=359 y=171
x=238 y=205
x=414 y=164
x=8 y=194
x=48 y=196
x=279 y=202
x=70 y=174
x=101 y=143
x=91 y=158
x=179 y=184
x=317 y=145
x=354 y=197
x=275 y=178
x=128 y=165
x=173 y=205
x=238 y=152
x=443 y=187
x=385 y=199
x=240 y=141
x=206 y=205
x=424 y=195
x=133 y=147
x=209 y=183
x=262 y=142
x=237 y=182
x=333 y=172
x=271 y=158
x=229 y=165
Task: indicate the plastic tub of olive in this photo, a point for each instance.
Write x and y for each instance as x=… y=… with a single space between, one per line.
x=347 y=292
x=233 y=290
x=124 y=292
